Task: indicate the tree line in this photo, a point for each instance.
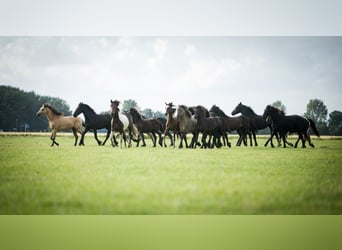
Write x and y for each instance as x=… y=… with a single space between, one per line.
x=17 y=109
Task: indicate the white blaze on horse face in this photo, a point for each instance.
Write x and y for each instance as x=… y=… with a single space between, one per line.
x=40 y=111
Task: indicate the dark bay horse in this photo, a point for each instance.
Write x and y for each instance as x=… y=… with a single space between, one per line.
x=212 y=126
x=93 y=122
x=187 y=124
x=143 y=125
x=241 y=124
x=57 y=122
x=284 y=124
x=171 y=123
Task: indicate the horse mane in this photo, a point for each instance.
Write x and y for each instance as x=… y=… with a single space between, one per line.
x=88 y=107
x=186 y=111
x=56 y=112
x=215 y=109
x=136 y=112
x=248 y=108
x=280 y=111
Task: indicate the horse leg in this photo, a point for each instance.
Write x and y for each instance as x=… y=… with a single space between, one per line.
x=53 y=137
x=296 y=144
x=181 y=140
x=111 y=138
x=95 y=136
x=154 y=140
x=204 y=143
x=303 y=140
x=81 y=143
x=76 y=136
x=171 y=138
x=255 y=140
x=160 y=139
x=284 y=139
x=143 y=140
x=107 y=136
x=164 y=138
x=309 y=140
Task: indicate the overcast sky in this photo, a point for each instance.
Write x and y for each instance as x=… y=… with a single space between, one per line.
x=185 y=70
x=188 y=52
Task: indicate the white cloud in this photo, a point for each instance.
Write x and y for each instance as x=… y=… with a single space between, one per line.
x=126 y=41
x=190 y=50
x=160 y=47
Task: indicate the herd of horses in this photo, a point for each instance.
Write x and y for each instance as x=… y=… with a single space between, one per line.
x=213 y=124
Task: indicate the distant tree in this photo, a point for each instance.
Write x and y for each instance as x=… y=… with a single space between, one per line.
x=335 y=123
x=278 y=104
x=148 y=113
x=317 y=111
x=130 y=103
x=159 y=114
x=18 y=109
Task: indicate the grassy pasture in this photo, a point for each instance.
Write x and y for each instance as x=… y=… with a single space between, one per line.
x=38 y=179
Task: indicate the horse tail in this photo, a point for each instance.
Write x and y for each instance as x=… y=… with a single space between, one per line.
x=313 y=126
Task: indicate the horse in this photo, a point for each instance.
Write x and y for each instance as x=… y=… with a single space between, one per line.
x=258 y=122
x=93 y=122
x=57 y=122
x=187 y=124
x=284 y=124
x=171 y=123
x=163 y=122
x=120 y=123
x=241 y=124
x=143 y=125
x=212 y=126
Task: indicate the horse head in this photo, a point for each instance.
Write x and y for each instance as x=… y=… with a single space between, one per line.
x=269 y=111
x=237 y=109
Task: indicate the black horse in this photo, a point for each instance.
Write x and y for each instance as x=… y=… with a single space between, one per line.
x=93 y=122
x=143 y=125
x=257 y=121
x=284 y=124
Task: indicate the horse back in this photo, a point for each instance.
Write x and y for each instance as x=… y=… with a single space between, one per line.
x=66 y=122
x=293 y=123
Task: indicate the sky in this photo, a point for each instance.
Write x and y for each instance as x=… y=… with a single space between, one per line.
x=189 y=52
x=190 y=70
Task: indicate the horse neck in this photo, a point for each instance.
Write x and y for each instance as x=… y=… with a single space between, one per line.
x=170 y=116
x=51 y=116
x=88 y=113
x=276 y=116
x=136 y=118
x=247 y=112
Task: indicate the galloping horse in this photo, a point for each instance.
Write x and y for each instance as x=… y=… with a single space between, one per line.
x=212 y=126
x=121 y=123
x=171 y=123
x=57 y=122
x=152 y=126
x=187 y=124
x=257 y=121
x=291 y=123
x=241 y=124
x=93 y=122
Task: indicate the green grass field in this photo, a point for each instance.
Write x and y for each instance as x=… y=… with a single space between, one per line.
x=38 y=179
